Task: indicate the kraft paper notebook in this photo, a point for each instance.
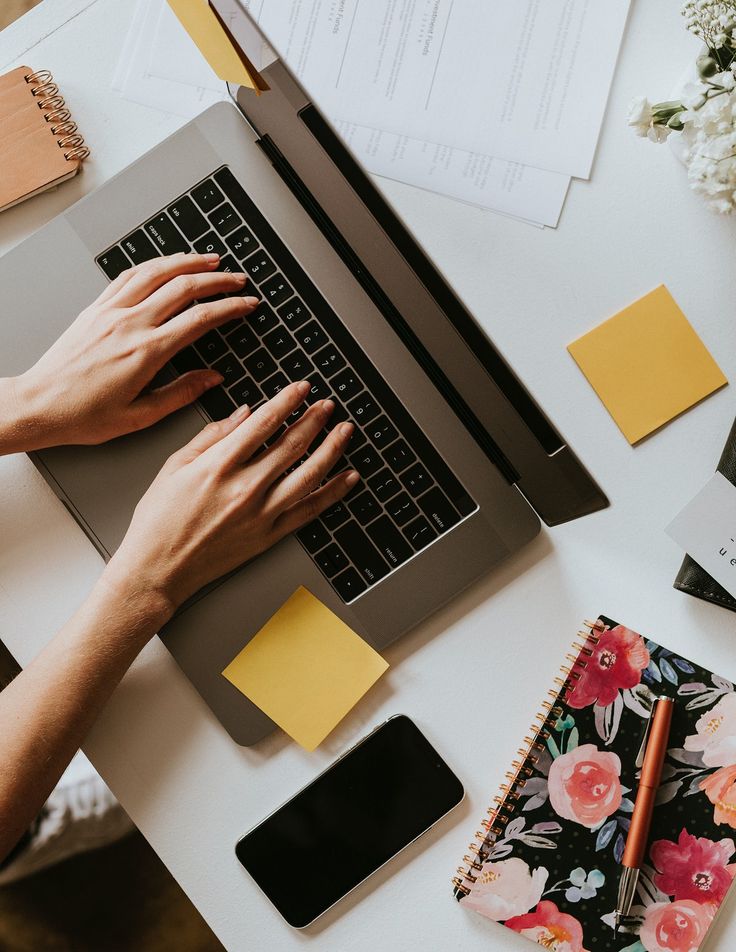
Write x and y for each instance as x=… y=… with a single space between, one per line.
x=546 y=862
x=41 y=145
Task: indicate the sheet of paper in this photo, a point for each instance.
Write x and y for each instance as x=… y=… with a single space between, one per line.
x=706 y=530
x=139 y=76
x=512 y=189
x=647 y=364
x=526 y=81
x=305 y=668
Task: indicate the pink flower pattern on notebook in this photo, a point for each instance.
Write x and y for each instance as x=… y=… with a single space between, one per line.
x=549 y=868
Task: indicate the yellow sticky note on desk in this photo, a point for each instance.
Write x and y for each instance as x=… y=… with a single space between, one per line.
x=647 y=364
x=305 y=668
x=215 y=43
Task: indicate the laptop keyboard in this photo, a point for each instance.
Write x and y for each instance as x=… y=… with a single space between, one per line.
x=406 y=497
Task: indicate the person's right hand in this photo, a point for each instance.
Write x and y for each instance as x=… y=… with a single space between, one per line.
x=223 y=499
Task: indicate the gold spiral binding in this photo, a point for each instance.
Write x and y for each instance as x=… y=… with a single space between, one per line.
x=501 y=814
x=50 y=101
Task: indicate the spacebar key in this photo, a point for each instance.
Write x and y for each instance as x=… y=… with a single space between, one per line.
x=361 y=552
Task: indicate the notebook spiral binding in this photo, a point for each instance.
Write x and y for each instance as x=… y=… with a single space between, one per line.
x=494 y=826
x=52 y=104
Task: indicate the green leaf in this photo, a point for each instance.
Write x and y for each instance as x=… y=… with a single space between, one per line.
x=552 y=747
x=572 y=740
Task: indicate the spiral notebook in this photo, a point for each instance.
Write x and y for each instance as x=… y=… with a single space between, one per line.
x=41 y=145
x=546 y=862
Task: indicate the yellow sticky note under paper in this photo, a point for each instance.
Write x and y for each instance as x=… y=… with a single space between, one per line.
x=647 y=364
x=305 y=668
x=216 y=44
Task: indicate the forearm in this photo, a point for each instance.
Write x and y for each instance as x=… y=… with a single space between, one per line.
x=21 y=425
x=48 y=709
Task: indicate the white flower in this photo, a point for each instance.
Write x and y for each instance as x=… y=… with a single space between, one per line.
x=640 y=115
x=709 y=140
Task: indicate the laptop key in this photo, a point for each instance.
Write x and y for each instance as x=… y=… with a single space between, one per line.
x=139 y=247
x=113 y=262
x=224 y=219
x=186 y=360
x=275 y=384
x=242 y=242
x=279 y=342
x=276 y=290
x=399 y=456
x=230 y=266
x=209 y=244
x=335 y=516
x=208 y=196
x=384 y=485
x=297 y=366
x=318 y=390
x=313 y=537
x=262 y=319
x=438 y=509
x=382 y=431
x=363 y=408
x=217 y=403
x=362 y=553
x=416 y=479
x=165 y=235
x=331 y=560
x=349 y=585
x=419 y=533
x=187 y=217
x=346 y=384
x=401 y=509
x=230 y=368
x=365 y=508
x=260 y=365
x=294 y=313
x=329 y=360
x=258 y=266
x=367 y=461
x=243 y=340
x=311 y=336
x=246 y=391
x=389 y=541
x=211 y=346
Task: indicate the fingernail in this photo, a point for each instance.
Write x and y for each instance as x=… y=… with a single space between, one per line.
x=346 y=428
x=303 y=388
x=240 y=414
x=212 y=257
x=352 y=478
x=212 y=379
x=240 y=278
x=251 y=301
x=327 y=407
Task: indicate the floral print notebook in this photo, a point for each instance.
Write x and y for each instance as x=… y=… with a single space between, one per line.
x=548 y=867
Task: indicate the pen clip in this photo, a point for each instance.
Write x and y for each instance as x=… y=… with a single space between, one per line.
x=639 y=762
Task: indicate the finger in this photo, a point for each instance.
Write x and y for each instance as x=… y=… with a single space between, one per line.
x=144 y=279
x=307 y=477
x=314 y=504
x=293 y=444
x=189 y=326
x=178 y=293
x=154 y=405
x=243 y=442
x=210 y=435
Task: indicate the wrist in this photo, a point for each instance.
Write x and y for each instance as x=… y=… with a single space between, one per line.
x=21 y=419
x=131 y=595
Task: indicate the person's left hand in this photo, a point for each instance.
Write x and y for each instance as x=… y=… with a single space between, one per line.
x=91 y=385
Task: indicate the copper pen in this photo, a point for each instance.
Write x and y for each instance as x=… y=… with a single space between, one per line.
x=651 y=760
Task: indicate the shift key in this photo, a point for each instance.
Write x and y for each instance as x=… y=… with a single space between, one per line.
x=391 y=544
x=361 y=552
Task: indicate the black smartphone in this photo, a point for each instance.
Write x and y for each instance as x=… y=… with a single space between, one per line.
x=362 y=810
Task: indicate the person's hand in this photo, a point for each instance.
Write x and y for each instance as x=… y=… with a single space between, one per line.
x=223 y=499
x=91 y=385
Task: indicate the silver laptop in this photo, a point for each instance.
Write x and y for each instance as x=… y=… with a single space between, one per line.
x=457 y=461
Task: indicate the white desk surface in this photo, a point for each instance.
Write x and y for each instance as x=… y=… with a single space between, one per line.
x=191 y=790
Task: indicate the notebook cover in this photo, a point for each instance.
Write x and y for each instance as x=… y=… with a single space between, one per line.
x=549 y=867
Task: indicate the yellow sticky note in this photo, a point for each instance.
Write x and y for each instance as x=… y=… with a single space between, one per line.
x=647 y=364
x=305 y=668
x=215 y=43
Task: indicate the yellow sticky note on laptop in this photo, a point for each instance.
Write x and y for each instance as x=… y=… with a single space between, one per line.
x=647 y=364
x=305 y=668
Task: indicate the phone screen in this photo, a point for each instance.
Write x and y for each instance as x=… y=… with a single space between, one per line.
x=347 y=823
